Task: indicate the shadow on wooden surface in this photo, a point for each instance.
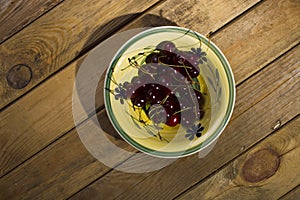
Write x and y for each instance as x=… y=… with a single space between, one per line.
x=105 y=31
x=97 y=61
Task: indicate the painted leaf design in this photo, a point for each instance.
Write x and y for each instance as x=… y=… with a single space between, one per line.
x=150 y=131
x=212 y=84
x=135 y=123
x=217 y=76
x=219 y=93
x=210 y=69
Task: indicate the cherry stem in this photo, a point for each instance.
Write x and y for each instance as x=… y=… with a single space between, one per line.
x=179 y=111
x=185 y=68
x=136 y=58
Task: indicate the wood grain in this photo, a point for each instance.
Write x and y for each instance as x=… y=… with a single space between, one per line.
x=267 y=23
x=44 y=114
x=244 y=129
x=59 y=36
x=65 y=167
x=60 y=170
x=249 y=43
x=47 y=112
x=201 y=16
x=34 y=121
x=108 y=183
x=292 y=195
x=240 y=134
x=16 y=14
x=233 y=181
x=196 y=165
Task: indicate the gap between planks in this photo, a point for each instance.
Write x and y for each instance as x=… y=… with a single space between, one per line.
x=265 y=65
x=257 y=78
x=72 y=34
x=35 y=15
x=249 y=149
x=253 y=75
x=84 y=52
x=292 y=195
x=232 y=14
x=165 y=175
x=80 y=57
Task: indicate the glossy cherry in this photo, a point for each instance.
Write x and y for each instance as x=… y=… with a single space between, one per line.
x=173 y=120
x=166 y=46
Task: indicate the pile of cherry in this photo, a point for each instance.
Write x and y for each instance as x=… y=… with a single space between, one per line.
x=164 y=86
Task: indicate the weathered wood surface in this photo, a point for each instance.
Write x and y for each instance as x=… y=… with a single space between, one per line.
x=49 y=110
x=257 y=28
x=16 y=14
x=201 y=16
x=292 y=195
x=252 y=35
x=242 y=132
x=268 y=170
x=46 y=112
x=31 y=178
x=65 y=167
x=60 y=170
x=58 y=37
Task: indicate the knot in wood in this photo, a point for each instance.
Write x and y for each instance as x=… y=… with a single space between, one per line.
x=19 y=76
x=260 y=165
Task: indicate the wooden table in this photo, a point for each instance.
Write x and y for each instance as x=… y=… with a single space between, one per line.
x=42 y=44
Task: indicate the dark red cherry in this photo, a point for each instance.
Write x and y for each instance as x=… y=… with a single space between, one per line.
x=164 y=91
x=139 y=101
x=200 y=98
x=200 y=114
x=147 y=69
x=166 y=57
x=172 y=104
x=183 y=71
x=189 y=61
x=154 y=96
x=180 y=57
x=138 y=91
x=166 y=46
x=193 y=71
x=177 y=76
x=173 y=120
x=152 y=58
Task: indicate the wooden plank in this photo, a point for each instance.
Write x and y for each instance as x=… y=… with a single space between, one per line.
x=201 y=16
x=292 y=195
x=108 y=183
x=242 y=128
x=49 y=110
x=65 y=167
x=246 y=130
x=58 y=37
x=46 y=111
x=64 y=104
x=268 y=170
x=59 y=171
x=248 y=37
x=16 y=14
x=40 y=122
x=256 y=29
